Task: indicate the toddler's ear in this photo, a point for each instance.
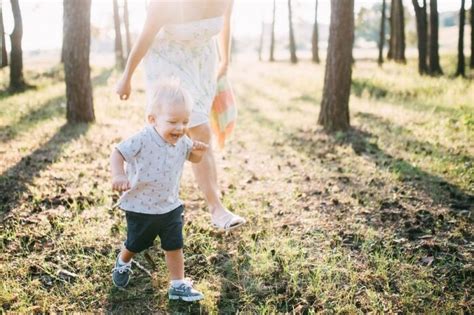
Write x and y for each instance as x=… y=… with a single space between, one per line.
x=151 y=119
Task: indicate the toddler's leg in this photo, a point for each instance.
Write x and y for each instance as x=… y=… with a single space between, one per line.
x=126 y=255
x=180 y=288
x=175 y=263
x=122 y=270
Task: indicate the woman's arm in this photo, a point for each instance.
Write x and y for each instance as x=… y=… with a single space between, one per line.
x=159 y=12
x=224 y=41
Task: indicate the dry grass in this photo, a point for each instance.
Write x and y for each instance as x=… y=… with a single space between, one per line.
x=375 y=220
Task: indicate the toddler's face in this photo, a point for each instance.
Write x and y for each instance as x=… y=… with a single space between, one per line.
x=172 y=122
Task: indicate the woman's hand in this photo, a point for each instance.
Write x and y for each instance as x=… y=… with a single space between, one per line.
x=120 y=183
x=199 y=147
x=198 y=150
x=124 y=88
x=222 y=71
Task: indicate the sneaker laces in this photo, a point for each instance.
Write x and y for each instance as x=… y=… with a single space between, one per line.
x=187 y=283
x=123 y=268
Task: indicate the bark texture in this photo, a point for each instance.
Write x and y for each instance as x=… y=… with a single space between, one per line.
x=126 y=23
x=422 y=32
x=17 y=81
x=3 y=48
x=315 y=36
x=382 y=33
x=461 y=71
x=293 y=57
x=396 y=49
x=434 y=66
x=272 y=37
x=119 y=59
x=334 y=114
x=79 y=106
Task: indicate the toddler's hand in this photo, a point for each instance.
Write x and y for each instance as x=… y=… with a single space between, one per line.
x=199 y=147
x=120 y=183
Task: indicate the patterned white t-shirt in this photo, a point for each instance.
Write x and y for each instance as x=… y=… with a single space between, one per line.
x=154 y=169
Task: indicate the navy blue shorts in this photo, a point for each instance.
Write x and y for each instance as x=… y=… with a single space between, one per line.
x=142 y=230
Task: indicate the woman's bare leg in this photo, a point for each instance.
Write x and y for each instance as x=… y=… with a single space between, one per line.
x=206 y=176
x=205 y=171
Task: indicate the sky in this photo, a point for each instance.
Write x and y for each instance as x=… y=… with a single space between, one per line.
x=43 y=18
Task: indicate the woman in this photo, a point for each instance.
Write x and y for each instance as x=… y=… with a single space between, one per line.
x=178 y=40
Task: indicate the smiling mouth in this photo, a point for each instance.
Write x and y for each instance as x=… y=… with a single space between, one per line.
x=175 y=137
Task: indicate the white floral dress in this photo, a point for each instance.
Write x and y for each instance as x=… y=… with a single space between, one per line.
x=186 y=51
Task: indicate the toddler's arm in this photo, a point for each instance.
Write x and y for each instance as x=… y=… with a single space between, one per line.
x=119 y=179
x=198 y=150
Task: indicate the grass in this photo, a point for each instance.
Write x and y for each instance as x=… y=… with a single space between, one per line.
x=378 y=219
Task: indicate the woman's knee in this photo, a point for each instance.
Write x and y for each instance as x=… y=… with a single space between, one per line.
x=201 y=133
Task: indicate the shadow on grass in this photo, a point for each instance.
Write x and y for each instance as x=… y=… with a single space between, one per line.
x=27 y=121
x=48 y=110
x=138 y=298
x=438 y=189
x=15 y=180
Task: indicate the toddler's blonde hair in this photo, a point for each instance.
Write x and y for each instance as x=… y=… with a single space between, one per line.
x=168 y=93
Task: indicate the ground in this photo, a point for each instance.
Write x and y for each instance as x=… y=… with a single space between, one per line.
x=378 y=219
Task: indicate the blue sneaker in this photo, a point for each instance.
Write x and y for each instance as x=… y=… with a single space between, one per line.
x=121 y=274
x=185 y=292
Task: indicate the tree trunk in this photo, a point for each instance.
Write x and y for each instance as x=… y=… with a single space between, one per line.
x=435 y=67
x=460 y=71
x=3 y=48
x=119 y=59
x=382 y=33
x=334 y=114
x=315 y=37
x=17 y=81
x=76 y=61
x=260 y=42
x=64 y=32
x=472 y=35
x=293 y=57
x=272 y=39
x=422 y=31
x=396 y=49
x=127 y=27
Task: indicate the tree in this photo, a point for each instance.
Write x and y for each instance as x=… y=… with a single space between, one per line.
x=472 y=35
x=272 y=38
x=293 y=59
x=434 y=66
x=64 y=32
x=260 y=41
x=315 y=37
x=396 y=48
x=422 y=31
x=3 y=48
x=119 y=59
x=79 y=105
x=17 y=81
x=334 y=114
x=460 y=71
x=126 y=23
x=382 y=33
